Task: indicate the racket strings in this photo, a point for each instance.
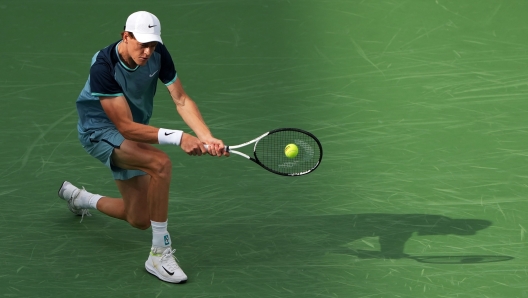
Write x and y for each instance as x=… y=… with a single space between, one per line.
x=270 y=152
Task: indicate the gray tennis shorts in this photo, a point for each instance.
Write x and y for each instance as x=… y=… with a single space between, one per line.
x=101 y=144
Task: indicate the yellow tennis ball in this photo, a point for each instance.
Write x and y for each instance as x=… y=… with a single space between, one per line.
x=291 y=150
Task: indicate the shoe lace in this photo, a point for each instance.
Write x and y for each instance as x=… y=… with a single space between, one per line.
x=169 y=260
x=83 y=211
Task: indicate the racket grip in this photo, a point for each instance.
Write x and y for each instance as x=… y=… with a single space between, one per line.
x=207 y=148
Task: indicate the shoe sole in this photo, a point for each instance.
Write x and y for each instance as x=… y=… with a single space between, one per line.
x=155 y=273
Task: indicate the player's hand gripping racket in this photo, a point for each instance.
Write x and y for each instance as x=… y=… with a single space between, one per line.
x=270 y=151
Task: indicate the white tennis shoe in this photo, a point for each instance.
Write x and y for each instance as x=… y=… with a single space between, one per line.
x=162 y=264
x=73 y=196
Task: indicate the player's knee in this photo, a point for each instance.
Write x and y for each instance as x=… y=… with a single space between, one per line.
x=163 y=166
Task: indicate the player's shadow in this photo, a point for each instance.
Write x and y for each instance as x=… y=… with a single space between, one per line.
x=394 y=230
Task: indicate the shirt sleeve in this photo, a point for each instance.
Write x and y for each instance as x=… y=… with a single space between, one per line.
x=168 y=74
x=102 y=81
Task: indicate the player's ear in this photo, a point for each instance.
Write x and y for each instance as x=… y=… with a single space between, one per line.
x=126 y=36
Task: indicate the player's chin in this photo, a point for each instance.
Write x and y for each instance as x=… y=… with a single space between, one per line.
x=142 y=61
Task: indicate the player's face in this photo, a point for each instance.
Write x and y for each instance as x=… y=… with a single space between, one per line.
x=141 y=52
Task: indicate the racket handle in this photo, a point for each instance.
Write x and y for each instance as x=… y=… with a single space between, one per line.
x=207 y=148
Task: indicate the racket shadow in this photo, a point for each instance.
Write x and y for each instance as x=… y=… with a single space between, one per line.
x=469 y=259
x=444 y=259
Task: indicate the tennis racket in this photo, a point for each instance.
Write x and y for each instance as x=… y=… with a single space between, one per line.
x=268 y=151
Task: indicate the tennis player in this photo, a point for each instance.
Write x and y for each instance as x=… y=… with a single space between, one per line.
x=114 y=110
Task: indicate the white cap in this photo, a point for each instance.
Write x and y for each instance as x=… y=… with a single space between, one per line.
x=145 y=26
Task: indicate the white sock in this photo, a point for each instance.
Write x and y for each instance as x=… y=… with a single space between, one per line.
x=86 y=200
x=93 y=201
x=160 y=235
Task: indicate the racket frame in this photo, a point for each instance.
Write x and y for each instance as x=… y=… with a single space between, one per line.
x=255 y=159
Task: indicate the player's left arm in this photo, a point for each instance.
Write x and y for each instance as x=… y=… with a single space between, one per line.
x=190 y=113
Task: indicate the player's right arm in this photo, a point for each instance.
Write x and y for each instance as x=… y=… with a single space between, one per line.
x=118 y=111
x=110 y=94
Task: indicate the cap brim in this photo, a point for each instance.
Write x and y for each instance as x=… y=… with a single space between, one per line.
x=144 y=38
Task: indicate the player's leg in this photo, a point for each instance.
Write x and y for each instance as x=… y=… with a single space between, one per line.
x=127 y=160
x=80 y=201
x=139 y=156
x=134 y=192
x=150 y=207
x=133 y=204
x=103 y=144
x=145 y=197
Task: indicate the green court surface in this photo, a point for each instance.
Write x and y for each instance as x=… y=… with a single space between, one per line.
x=421 y=107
